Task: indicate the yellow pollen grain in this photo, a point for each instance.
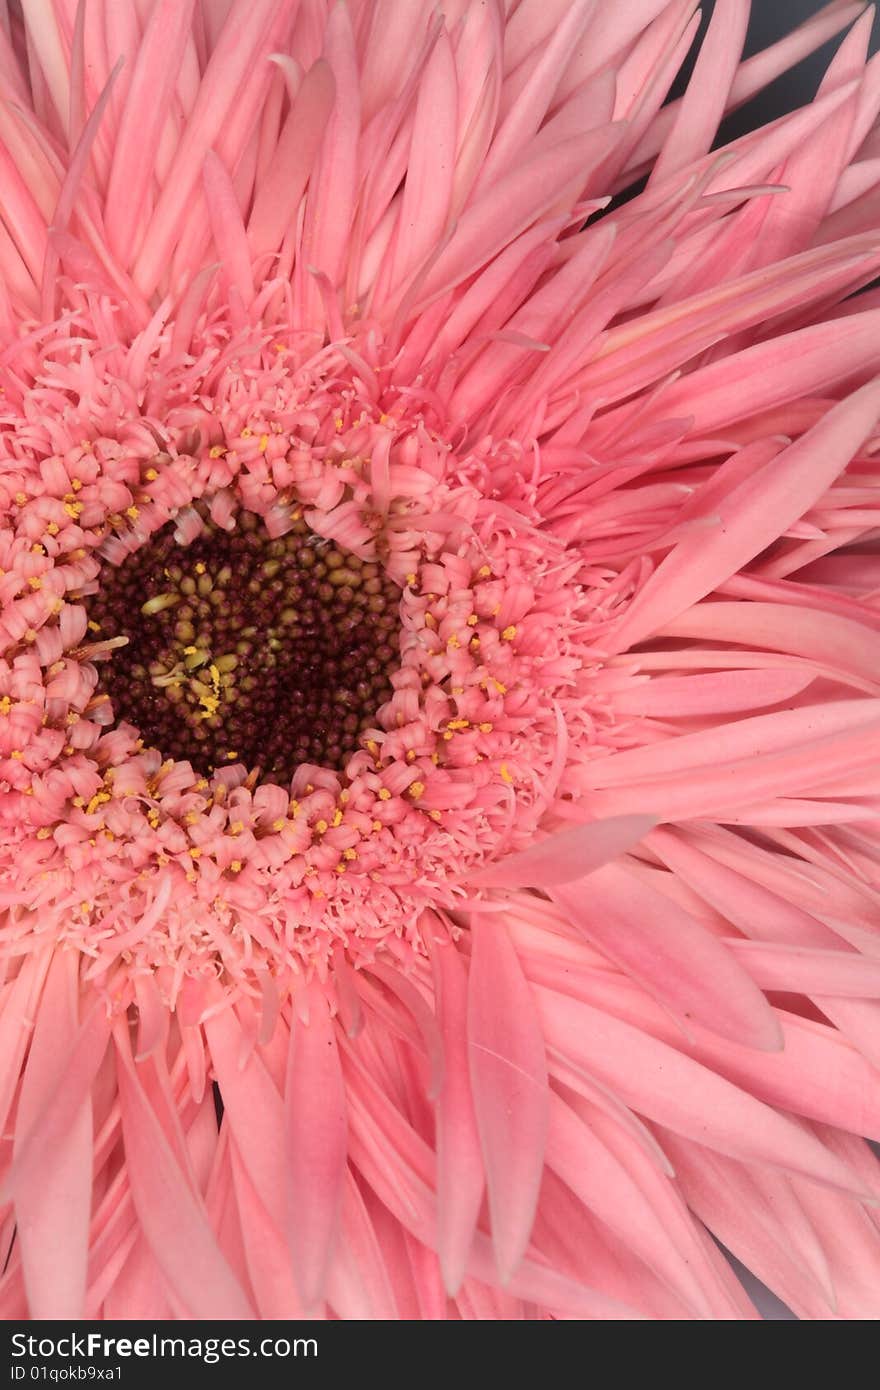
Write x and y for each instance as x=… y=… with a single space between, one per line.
x=5 y=705
x=151 y=475
x=474 y=644
x=499 y=686
x=344 y=795
x=85 y=906
x=264 y=443
x=337 y=818
x=485 y=728
x=37 y=549
x=410 y=579
x=44 y=832
x=505 y=773
x=430 y=620
x=236 y=866
x=377 y=825
x=200 y=567
x=73 y=509
x=231 y=756
x=93 y=626
x=384 y=794
x=236 y=827
x=279 y=347
x=191 y=818
x=472 y=620
x=195 y=853
x=340 y=868
x=53 y=528
x=411 y=755
x=416 y=790
x=79 y=801
x=132 y=512
x=35 y=582
x=453 y=643
x=484 y=571
x=246 y=432
x=320 y=827
x=279 y=824
x=434 y=815
x=190 y=651
x=349 y=854
x=459 y=724
x=192 y=877
x=17 y=754
x=372 y=746
x=20 y=499
x=216 y=451
x=448 y=734
x=508 y=634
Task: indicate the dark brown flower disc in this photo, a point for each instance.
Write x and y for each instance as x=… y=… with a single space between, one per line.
x=247 y=649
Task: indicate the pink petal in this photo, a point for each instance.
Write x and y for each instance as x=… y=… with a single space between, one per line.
x=667 y=950
x=509 y=1083
x=315 y=1108
x=567 y=854
x=460 y=1176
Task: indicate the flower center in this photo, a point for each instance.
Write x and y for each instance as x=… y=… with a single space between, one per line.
x=248 y=649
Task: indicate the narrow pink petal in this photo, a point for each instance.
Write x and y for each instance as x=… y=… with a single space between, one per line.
x=253 y=1108
x=228 y=228
x=149 y=86
x=802 y=970
x=279 y=192
x=756 y=512
x=358 y=1282
x=232 y=64
x=679 y=962
x=700 y=110
x=52 y=1194
x=427 y=192
x=316 y=1146
x=331 y=198
x=745 y=739
x=566 y=855
x=662 y=1083
x=509 y=1081
x=460 y=1176
x=514 y=203
x=578 y=1156
x=720 y=1193
x=730 y=692
x=828 y=638
x=172 y=1217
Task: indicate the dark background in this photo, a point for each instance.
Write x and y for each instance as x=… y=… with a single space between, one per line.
x=770 y=20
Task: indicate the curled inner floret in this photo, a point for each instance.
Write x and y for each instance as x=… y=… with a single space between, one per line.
x=163 y=765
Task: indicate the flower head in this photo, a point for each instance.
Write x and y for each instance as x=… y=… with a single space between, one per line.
x=439 y=658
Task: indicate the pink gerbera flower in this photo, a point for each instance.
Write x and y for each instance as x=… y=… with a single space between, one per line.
x=440 y=664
